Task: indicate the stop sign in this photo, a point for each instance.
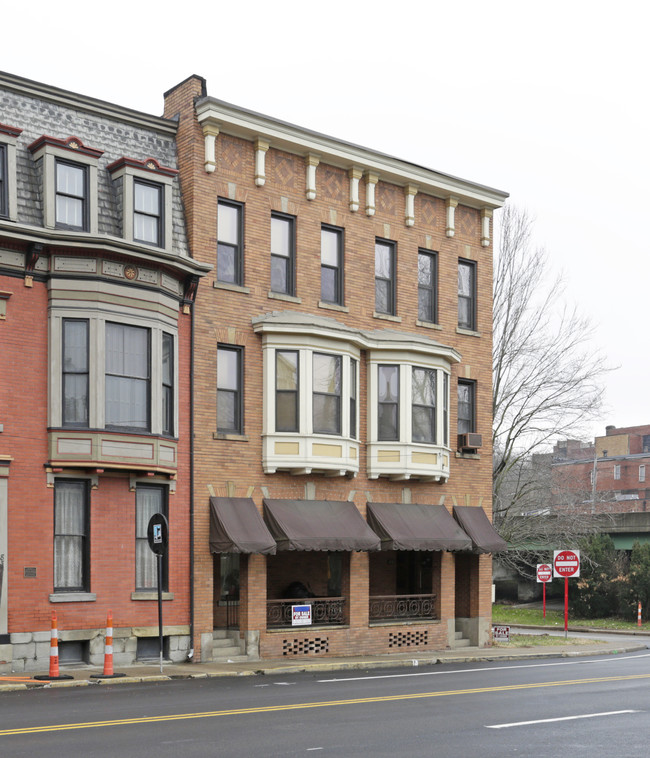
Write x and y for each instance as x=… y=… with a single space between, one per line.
x=544 y=572
x=566 y=563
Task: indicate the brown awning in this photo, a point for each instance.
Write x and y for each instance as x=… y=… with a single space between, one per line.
x=318 y=525
x=475 y=522
x=237 y=527
x=416 y=527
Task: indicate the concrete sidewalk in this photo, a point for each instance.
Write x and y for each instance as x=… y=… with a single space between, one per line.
x=83 y=676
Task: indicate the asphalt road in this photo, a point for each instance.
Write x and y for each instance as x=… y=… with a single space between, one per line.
x=560 y=707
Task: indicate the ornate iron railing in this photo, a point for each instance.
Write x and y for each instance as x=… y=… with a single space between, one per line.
x=324 y=611
x=402 y=607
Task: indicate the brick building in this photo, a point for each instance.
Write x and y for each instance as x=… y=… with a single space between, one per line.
x=329 y=401
x=608 y=475
x=96 y=285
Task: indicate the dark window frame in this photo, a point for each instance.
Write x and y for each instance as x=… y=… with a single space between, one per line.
x=237 y=393
x=430 y=291
x=470 y=298
x=82 y=484
x=4 y=182
x=431 y=409
x=445 y=409
x=395 y=403
x=391 y=279
x=64 y=374
x=85 y=197
x=295 y=393
x=339 y=397
x=238 y=247
x=167 y=410
x=290 y=259
x=338 y=270
x=160 y=219
x=469 y=419
x=142 y=538
x=124 y=427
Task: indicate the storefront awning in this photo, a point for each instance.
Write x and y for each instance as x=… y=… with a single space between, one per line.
x=412 y=526
x=237 y=527
x=475 y=522
x=318 y=525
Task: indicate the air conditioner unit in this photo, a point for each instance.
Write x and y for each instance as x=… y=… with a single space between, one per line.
x=470 y=441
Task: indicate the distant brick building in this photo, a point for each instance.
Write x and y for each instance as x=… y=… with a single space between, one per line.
x=610 y=474
x=342 y=380
x=96 y=286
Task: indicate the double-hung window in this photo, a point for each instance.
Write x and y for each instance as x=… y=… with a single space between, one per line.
x=167 y=384
x=427 y=287
x=286 y=390
x=617 y=471
x=388 y=402
x=467 y=295
x=75 y=372
x=148 y=213
x=326 y=393
x=466 y=406
x=4 y=191
x=71 y=196
x=282 y=254
x=71 y=536
x=230 y=233
x=353 y=399
x=423 y=398
x=127 y=376
x=149 y=500
x=230 y=409
x=331 y=265
x=642 y=473
x=385 y=277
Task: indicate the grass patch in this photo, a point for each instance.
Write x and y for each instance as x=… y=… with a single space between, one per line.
x=535 y=640
x=510 y=614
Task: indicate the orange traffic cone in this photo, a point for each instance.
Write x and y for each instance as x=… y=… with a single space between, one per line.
x=108 y=652
x=54 y=654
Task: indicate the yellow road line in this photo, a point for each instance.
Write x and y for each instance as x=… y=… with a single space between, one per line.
x=323 y=704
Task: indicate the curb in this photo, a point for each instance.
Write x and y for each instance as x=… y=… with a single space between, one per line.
x=487 y=656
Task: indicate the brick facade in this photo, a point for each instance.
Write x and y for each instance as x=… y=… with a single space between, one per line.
x=230 y=465
x=96 y=276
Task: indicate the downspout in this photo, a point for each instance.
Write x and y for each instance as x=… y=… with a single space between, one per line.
x=190 y=655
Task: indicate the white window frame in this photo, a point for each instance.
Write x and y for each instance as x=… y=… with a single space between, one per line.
x=9 y=142
x=642 y=472
x=149 y=173
x=617 y=471
x=49 y=154
x=97 y=319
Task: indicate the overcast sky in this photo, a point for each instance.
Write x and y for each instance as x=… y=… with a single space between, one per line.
x=547 y=101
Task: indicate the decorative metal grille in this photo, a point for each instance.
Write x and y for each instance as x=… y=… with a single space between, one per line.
x=385 y=607
x=324 y=611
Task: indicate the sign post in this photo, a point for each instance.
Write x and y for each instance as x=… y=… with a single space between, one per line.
x=158 y=538
x=566 y=563
x=544 y=574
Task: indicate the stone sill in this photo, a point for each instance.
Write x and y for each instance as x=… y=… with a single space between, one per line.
x=151 y=595
x=468 y=332
x=73 y=597
x=428 y=325
x=231 y=287
x=333 y=306
x=387 y=317
x=280 y=296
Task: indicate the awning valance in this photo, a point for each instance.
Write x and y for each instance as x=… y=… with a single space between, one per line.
x=318 y=525
x=474 y=520
x=411 y=526
x=236 y=526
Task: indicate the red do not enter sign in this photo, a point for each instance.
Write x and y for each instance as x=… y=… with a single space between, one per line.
x=544 y=572
x=566 y=563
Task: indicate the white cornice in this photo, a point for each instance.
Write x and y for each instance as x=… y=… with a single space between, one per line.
x=294 y=322
x=53 y=238
x=231 y=119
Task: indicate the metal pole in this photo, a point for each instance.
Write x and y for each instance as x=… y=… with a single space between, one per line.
x=160 y=623
x=566 y=606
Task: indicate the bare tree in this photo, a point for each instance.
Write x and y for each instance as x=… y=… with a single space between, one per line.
x=547 y=375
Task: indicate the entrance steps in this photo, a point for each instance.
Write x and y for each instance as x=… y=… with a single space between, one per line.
x=226 y=647
x=459 y=640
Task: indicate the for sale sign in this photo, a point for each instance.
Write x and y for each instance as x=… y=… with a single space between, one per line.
x=566 y=563
x=300 y=615
x=500 y=633
x=544 y=572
